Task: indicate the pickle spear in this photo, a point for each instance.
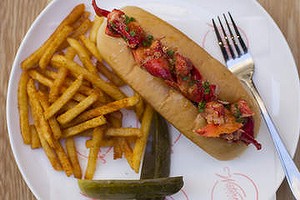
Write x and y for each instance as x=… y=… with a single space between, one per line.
x=131 y=189
x=157 y=157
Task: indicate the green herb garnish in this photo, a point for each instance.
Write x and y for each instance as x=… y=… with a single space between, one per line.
x=132 y=33
x=170 y=53
x=206 y=87
x=201 y=106
x=128 y=19
x=147 y=41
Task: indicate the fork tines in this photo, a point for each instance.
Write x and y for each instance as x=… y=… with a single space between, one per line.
x=230 y=46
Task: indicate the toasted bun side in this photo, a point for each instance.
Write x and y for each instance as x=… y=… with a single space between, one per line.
x=178 y=110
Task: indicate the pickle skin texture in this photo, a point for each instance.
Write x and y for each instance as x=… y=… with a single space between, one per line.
x=130 y=189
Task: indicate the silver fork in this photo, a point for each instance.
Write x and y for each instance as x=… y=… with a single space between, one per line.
x=240 y=62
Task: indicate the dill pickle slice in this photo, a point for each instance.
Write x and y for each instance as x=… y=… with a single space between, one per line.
x=157 y=157
x=131 y=189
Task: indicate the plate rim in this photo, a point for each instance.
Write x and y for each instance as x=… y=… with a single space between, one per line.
x=27 y=35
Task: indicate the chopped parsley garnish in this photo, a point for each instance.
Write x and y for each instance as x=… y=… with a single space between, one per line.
x=206 y=87
x=128 y=19
x=185 y=78
x=132 y=33
x=201 y=106
x=147 y=41
x=238 y=115
x=170 y=53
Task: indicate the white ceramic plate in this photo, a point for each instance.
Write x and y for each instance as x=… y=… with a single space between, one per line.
x=253 y=175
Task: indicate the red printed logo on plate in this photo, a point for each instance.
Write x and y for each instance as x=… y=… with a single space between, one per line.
x=233 y=185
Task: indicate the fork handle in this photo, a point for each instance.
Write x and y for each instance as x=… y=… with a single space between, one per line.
x=289 y=167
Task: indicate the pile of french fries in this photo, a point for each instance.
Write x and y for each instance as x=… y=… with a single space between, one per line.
x=61 y=96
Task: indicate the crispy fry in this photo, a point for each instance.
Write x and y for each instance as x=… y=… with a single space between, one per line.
x=82 y=29
x=35 y=140
x=40 y=78
x=126 y=149
x=32 y=60
x=94 y=29
x=110 y=75
x=108 y=108
x=39 y=119
x=97 y=121
x=79 y=108
x=52 y=120
x=23 y=108
x=115 y=119
x=118 y=152
x=61 y=76
x=70 y=53
x=106 y=142
x=91 y=47
x=65 y=82
x=63 y=158
x=83 y=17
x=83 y=55
x=61 y=61
x=139 y=107
x=140 y=143
x=93 y=154
x=56 y=42
x=69 y=105
x=64 y=98
x=49 y=83
x=50 y=153
x=123 y=132
x=58 y=82
x=72 y=153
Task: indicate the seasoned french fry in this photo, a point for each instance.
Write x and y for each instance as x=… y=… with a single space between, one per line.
x=95 y=27
x=52 y=120
x=40 y=78
x=106 y=142
x=126 y=148
x=83 y=17
x=111 y=90
x=49 y=83
x=35 y=140
x=79 y=108
x=70 y=53
x=61 y=76
x=97 y=121
x=39 y=119
x=140 y=143
x=64 y=98
x=69 y=105
x=139 y=107
x=50 y=153
x=56 y=42
x=89 y=45
x=93 y=154
x=123 y=132
x=32 y=60
x=72 y=153
x=83 y=55
x=63 y=158
x=82 y=29
x=110 y=75
x=118 y=151
x=56 y=86
x=108 y=108
x=23 y=108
